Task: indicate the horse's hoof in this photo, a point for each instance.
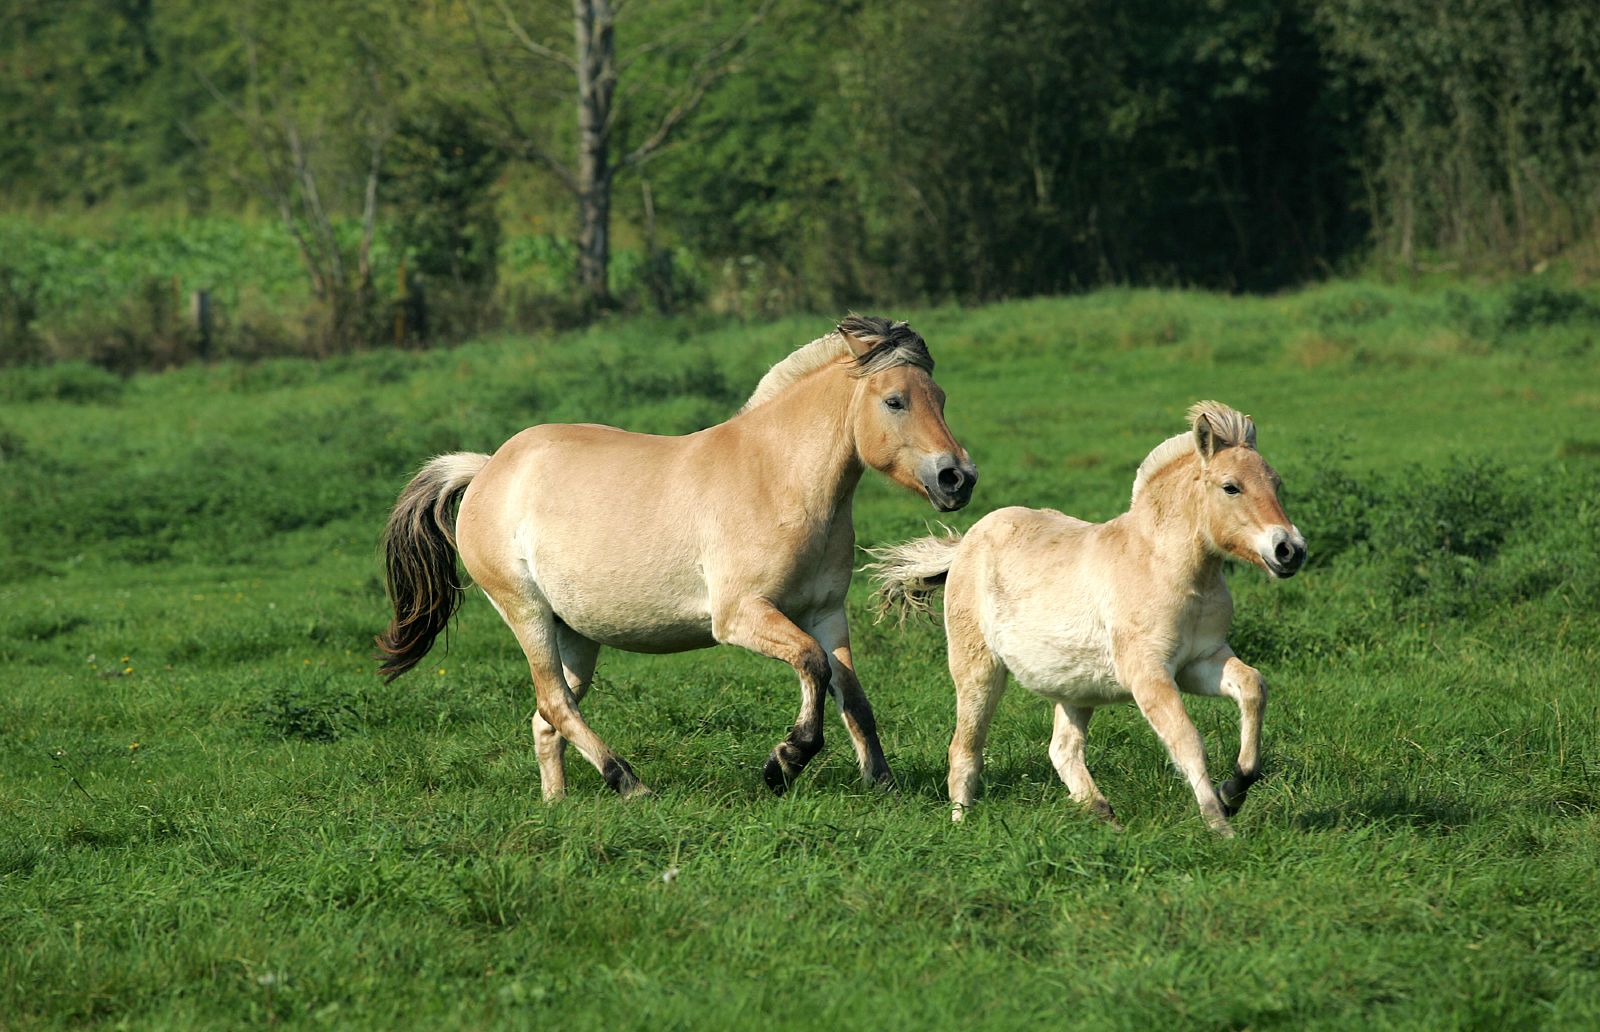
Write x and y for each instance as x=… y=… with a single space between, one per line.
x=1231 y=793
x=639 y=791
x=622 y=780
x=1102 y=810
x=776 y=776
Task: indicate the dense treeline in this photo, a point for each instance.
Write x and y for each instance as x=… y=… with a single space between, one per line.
x=772 y=154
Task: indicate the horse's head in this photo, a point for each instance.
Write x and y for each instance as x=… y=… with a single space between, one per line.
x=1239 y=503
x=898 y=413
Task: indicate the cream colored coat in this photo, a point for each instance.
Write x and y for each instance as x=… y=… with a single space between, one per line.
x=1089 y=614
x=585 y=536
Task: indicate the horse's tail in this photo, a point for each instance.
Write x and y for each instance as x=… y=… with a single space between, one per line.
x=908 y=574
x=419 y=546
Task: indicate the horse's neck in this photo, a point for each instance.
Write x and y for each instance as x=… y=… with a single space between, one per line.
x=1164 y=517
x=806 y=437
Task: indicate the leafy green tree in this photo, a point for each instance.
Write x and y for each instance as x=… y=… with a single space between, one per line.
x=616 y=133
x=76 y=125
x=1481 y=124
x=438 y=178
x=306 y=100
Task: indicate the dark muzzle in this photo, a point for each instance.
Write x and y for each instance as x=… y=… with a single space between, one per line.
x=1288 y=555
x=949 y=482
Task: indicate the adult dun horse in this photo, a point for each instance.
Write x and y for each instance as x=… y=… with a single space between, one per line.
x=1088 y=614
x=584 y=536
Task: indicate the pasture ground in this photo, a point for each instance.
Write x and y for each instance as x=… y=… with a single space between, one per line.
x=213 y=814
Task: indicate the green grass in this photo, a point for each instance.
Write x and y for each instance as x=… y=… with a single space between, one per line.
x=213 y=813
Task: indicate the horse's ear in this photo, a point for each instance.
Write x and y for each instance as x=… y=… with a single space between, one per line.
x=1205 y=437
x=857 y=346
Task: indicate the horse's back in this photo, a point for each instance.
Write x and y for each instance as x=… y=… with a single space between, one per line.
x=1034 y=582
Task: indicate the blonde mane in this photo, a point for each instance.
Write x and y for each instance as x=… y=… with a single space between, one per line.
x=1228 y=427
x=802 y=361
x=1160 y=457
x=886 y=342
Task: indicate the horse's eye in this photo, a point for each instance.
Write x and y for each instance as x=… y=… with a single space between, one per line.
x=1230 y=488
x=895 y=402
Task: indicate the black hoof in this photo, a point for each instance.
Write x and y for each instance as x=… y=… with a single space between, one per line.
x=777 y=777
x=1231 y=793
x=620 y=777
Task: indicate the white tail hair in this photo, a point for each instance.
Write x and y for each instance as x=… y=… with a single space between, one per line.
x=908 y=574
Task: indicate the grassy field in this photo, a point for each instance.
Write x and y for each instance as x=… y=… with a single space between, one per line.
x=212 y=813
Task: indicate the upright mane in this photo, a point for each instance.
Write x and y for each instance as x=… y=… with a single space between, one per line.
x=1226 y=427
x=889 y=344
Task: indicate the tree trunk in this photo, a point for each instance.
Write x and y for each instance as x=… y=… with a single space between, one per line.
x=597 y=81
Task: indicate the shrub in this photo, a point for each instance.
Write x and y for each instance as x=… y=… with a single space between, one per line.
x=309 y=710
x=77 y=382
x=1437 y=529
x=1533 y=304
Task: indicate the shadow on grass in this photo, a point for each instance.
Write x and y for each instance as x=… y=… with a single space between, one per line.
x=1390 y=806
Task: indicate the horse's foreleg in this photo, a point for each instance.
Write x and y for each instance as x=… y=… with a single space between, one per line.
x=833 y=634
x=578 y=656
x=1245 y=685
x=1157 y=696
x=980 y=680
x=757 y=625
x=1223 y=673
x=1066 y=754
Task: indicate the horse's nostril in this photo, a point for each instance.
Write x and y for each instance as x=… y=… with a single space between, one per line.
x=1284 y=553
x=950 y=479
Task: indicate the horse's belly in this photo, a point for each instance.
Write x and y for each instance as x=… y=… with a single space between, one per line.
x=636 y=616
x=647 y=601
x=654 y=637
x=1077 y=670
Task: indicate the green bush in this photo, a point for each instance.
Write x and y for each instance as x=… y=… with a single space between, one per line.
x=66 y=381
x=1533 y=304
x=1439 y=528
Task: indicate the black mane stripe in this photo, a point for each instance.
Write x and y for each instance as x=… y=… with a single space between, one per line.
x=889 y=344
x=893 y=342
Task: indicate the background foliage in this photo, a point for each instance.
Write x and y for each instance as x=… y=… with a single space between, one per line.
x=916 y=150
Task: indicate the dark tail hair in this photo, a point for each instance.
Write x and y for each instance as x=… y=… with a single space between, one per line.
x=419 y=546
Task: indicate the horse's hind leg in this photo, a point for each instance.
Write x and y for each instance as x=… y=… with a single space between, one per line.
x=1066 y=753
x=757 y=625
x=1223 y=673
x=980 y=679
x=578 y=656
x=833 y=634
x=536 y=629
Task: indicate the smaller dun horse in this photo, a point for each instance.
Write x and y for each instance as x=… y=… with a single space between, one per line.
x=1089 y=614
x=584 y=536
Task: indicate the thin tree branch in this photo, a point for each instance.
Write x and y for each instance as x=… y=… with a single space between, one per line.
x=531 y=45
x=271 y=185
x=519 y=138
x=369 y=215
x=708 y=71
